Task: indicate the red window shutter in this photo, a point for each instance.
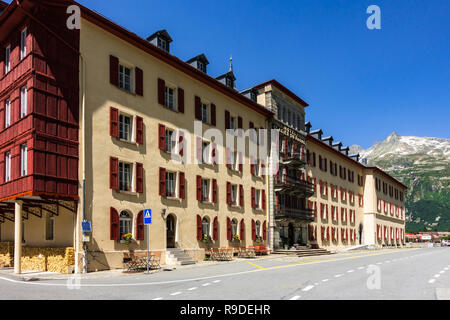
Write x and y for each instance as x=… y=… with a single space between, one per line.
x=199 y=188
x=182 y=186
x=162 y=137
x=162 y=182
x=265 y=230
x=199 y=228
x=139 y=82
x=253 y=230
x=114 y=70
x=161 y=92
x=242 y=233
x=241 y=195
x=213 y=114
x=114 y=173
x=140 y=226
x=139 y=178
x=228 y=193
x=214 y=193
x=228 y=229
x=264 y=200
x=286 y=147
x=198 y=108
x=181 y=144
x=180 y=100
x=139 y=130
x=227 y=119
x=216 y=229
x=114 y=122
x=114 y=224
x=253 y=198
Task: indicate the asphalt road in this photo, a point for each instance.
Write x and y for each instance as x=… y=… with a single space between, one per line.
x=422 y=274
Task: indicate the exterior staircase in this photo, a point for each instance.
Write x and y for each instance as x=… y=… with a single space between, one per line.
x=177 y=256
x=305 y=252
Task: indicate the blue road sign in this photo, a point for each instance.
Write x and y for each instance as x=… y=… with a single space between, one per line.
x=147 y=216
x=86 y=226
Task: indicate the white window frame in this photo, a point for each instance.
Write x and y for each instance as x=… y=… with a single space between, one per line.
x=206 y=223
x=8 y=166
x=174 y=100
x=206 y=114
x=23 y=43
x=23 y=102
x=23 y=160
x=170 y=144
x=7 y=113
x=175 y=184
x=234 y=227
x=206 y=190
x=235 y=187
x=122 y=176
x=125 y=223
x=123 y=77
x=8 y=59
x=130 y=131
x=258 y=199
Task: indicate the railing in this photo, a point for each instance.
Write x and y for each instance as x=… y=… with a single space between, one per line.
x=303 y=214
x=296 y=183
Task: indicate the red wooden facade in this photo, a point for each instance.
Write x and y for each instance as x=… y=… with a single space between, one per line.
x=50 y=71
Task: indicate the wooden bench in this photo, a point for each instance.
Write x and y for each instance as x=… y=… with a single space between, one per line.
x=138 y=262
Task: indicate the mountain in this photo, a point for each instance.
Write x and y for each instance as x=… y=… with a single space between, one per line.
x=423 y=164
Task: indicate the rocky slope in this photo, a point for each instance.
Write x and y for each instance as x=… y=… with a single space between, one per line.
x=423 y=164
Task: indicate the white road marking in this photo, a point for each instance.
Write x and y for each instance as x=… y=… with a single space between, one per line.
x=217 y=281
x=437 y=275
x=325 y=280
x=175 y=294
x=192 y=289
x=156 y=299
x=360 y=268
x=379 y=263
x=295 y=298
x=432 y=280
x=308 y=288
x=338 y=275
x=206 y=284
x=350 y=271
x=443 y=271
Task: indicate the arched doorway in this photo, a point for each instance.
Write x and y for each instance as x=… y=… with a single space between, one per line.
x=171 y=231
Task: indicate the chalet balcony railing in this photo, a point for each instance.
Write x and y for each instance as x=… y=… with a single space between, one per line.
x=301 y=214
x=285 y=183
x=293 y=159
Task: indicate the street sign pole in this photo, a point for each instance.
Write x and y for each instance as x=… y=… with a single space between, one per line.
x=148 y=248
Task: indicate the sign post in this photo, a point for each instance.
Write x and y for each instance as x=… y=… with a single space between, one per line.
x=148 y=222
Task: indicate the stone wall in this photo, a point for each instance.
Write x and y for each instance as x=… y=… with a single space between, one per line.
x=60 y=260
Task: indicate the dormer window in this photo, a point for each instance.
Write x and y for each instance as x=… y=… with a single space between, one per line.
x=201 y=66
x=161 y=39
x=230 y=82
x=163 y=45
x=199 y=62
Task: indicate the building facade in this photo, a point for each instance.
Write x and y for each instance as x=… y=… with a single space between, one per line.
x=98 y=124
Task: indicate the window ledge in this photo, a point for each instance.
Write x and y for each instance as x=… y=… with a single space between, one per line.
x=174 y=199
x=129 y=142
x=130 y=193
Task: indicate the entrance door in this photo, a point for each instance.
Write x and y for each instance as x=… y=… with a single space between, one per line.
x=291 y=234
x=170 y=223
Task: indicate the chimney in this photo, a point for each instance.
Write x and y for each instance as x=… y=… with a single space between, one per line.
x=308 y=127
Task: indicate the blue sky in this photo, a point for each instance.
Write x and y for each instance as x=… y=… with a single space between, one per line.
x=361 y=84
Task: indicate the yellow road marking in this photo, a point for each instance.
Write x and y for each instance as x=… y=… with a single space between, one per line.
x=255 y=265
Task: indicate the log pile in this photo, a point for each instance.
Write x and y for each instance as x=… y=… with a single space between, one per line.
x=6 y=254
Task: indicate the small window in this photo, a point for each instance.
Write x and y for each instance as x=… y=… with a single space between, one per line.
x=125 y=78
x=162 y=44
x=205 y=227
x=234 y=228
x=258 y=228
x=257 y=168
x=201 y=66
x=233 y=123
x=23 y=102
x=23 y=160
x=124 y=224
x=7 y=113
x=125 y=176
x=125 y=127
x=234 y=194
x=23 y=43
x=170 y=184
x=170 y=140
x=8 y=166
x=257 y=199
x=206 y=152
x=50 y=228
x=7 y=59
x=170 y=98
x=230 y=82
x=205 y=113
x=205 y=190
